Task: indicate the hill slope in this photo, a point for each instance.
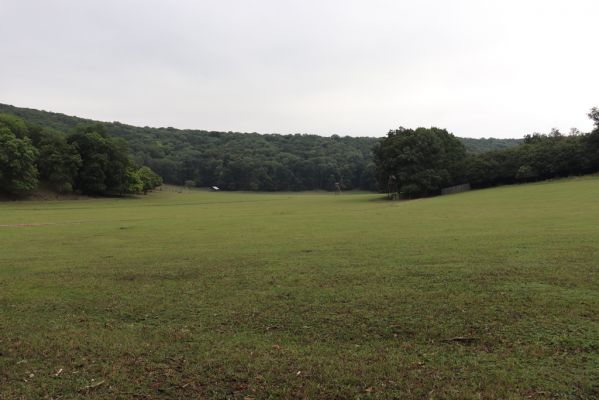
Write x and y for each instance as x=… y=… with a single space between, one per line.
x=247 y=161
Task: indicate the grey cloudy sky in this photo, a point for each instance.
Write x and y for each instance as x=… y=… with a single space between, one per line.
x=476 y=67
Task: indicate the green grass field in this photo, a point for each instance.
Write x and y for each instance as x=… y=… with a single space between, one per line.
x=491 y=294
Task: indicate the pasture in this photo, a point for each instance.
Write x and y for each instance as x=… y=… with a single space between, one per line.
x=490 y=294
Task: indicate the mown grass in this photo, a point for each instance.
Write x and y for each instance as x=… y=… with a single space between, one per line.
x=237 y=295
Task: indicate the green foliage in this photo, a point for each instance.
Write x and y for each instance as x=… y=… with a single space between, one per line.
x=235 y=161
x=105 y=164
x=93 y=149
x=18 y=174
x=539 y=157
x=422 y=168
x=526 y=173
x=149 y=179
x=423 y=160
x=89 y=161
x=245 y=161
x=133 y=181
x=592 y=140
x=483 y=145
x=14 y=124
x=594 y=116
x=58 y=162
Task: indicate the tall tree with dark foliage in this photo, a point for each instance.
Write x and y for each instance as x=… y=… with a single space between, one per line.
x=423 y=160
x=18 y=173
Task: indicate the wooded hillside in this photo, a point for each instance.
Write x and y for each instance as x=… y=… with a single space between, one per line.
x=244 y=161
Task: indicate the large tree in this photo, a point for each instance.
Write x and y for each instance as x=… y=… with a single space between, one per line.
x=149 y=179
x=18 y=174
x=105 y=162
x=58 y=162
x=423 y=160
x=592 y=140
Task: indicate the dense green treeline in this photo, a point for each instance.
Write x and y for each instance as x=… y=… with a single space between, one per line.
x=104 y=158
x=236 y=161
x=482 y=145
x=540 y=157
x=426 y=160
x=251 y=161
x=243 y=161
x=87 y=161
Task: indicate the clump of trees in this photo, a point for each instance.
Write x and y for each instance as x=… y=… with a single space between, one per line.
x=87 y=161
x=540 y=157
x=426 y=160
x=423 y=160
x=18 y=172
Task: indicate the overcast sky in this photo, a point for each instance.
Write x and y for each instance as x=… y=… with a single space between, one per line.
x=479 y=68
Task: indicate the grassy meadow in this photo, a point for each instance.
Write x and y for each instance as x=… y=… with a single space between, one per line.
x=490 y=294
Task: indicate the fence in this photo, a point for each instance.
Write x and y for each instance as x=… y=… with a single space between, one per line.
x=456 y=189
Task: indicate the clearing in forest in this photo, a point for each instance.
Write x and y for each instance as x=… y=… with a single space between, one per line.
x=486 y=294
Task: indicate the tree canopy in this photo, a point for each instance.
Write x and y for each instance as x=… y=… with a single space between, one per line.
x=73 y=154
x=87 y=161
x=244 y=161
x=423 y=160
x=18 y=173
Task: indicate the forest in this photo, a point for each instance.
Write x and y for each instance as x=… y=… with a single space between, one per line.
x=242 y=161
x=427 y=160
x=111 y=158
x=87 y=161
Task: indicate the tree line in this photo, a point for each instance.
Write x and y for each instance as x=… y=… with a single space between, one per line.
x=233 y=160
x=244 y=161
x=426 y=160
x=87 y=161
x=74 y=154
